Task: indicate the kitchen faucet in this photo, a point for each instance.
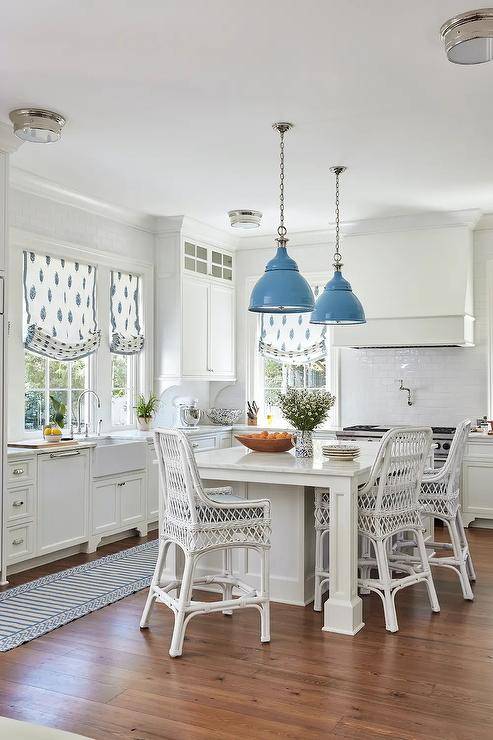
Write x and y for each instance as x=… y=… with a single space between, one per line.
x=403 y=388
x=79 y=422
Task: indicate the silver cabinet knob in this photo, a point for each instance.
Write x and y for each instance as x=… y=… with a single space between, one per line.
x=17 y=503
x=18 y=541
x=17 y=471
x=195 y=445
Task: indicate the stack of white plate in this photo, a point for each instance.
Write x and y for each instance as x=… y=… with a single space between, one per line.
x=340 y=452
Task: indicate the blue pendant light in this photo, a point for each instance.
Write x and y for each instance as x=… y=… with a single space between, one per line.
x=281 y=289
x=338 y=304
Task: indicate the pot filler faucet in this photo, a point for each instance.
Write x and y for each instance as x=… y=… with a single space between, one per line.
x=408 y=391
x=79 y=422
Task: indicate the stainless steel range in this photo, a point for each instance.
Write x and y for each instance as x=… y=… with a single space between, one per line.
x=442 y=437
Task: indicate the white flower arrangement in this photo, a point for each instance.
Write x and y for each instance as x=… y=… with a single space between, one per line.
x=305 y=409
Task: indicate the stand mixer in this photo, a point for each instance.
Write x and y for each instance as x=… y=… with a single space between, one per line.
x=188 y=413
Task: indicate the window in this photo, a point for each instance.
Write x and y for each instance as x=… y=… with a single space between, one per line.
x=44 y=378
x=123 y=384
x=277 y=377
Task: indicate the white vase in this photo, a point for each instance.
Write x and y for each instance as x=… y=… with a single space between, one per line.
x=144 y=423
x=303 y=446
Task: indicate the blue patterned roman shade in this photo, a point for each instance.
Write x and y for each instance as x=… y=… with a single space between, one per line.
x=59 y=307
x=126 y=332
x=290 y=338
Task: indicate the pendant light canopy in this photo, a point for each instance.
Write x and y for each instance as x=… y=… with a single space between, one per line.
x=281 y=289
x=338 y=304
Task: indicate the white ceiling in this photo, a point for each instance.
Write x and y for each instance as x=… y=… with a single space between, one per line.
x=170 y=104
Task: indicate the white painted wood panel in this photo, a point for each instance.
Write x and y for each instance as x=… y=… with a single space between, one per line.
x=63 y=491
x=221 y=330
x=195 y=328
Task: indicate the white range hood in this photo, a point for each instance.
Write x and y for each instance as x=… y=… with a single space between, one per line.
x=415 y=286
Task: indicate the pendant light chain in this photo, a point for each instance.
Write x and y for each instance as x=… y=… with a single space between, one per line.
x=282 y=229
x=337 y=255
x=281 y=127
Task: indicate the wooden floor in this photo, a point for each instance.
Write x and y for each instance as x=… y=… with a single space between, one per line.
x=102 y=677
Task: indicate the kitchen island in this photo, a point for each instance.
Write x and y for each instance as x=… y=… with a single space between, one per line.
x=289 y=483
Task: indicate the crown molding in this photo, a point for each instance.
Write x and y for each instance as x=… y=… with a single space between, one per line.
x=9 y=142
x=320 y=237
x=28 y=182
x=195 y=230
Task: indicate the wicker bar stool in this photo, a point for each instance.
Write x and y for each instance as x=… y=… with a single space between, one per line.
x=201 y=521
x=440 y=498
x=388 y=504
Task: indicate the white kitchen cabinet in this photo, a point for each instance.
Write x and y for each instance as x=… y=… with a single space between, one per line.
x=195 y=331
x=221 y=330
x=132 y=500
x=63 y=496
x=152 y=485
x=208 y=350
x=477 y=480
x=118 y=503
x=104 y=510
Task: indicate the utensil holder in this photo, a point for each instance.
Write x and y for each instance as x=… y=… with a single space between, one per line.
x=252 y=422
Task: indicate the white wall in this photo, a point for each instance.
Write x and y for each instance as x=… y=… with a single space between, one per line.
x=448 y=384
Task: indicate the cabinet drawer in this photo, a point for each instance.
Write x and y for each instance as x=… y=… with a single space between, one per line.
x=20 y=471
x=19 y=504
x=204 y=443
x=20 y=542
x=480 y=449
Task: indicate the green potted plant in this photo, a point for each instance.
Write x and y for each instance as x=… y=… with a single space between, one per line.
x=145 y=410
x=305 y=410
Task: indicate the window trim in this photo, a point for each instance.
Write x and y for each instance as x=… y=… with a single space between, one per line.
x=253 y=369
x=21 y=240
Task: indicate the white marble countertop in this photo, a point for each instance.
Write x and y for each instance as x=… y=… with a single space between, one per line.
x=243 y=462
x=480 y=437
x=54 y=447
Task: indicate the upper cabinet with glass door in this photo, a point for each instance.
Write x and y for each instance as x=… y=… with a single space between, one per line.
x=208 y=261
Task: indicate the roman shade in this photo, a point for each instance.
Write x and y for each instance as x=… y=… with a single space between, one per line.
x=127 y=337
x=59 y=307
x=290 y=338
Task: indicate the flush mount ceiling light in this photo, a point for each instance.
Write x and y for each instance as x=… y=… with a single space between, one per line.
x=281 y=289
x=245 y=219
x=37 y=125
x=338 y=304
x=468 y=37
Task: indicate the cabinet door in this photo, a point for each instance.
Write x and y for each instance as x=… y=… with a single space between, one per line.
x=105 y=514
x=221 y=330
x=194 y=328
x=63 y=496
x=132 y=500
x=152 y=487
x=477 y=491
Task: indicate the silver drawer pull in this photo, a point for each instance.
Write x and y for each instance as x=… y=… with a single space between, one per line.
x=73 y=453
x=17 y=503
x=124 y=483
x=17 y=471
x=18 y=542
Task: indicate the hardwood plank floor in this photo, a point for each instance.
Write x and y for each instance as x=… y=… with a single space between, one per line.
x=102 y=677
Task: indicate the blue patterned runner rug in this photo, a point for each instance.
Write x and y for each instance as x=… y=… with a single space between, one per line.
x=35 y=608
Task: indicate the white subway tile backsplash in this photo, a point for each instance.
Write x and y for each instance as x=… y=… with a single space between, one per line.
x=447 y=384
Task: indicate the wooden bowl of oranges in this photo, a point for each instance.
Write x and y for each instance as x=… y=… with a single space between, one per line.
x=267 y=441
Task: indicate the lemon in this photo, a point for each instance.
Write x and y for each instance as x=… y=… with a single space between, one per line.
x=55 y=431
x=47 y=431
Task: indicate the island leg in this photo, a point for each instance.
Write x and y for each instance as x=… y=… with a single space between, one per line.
x=343 y=609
